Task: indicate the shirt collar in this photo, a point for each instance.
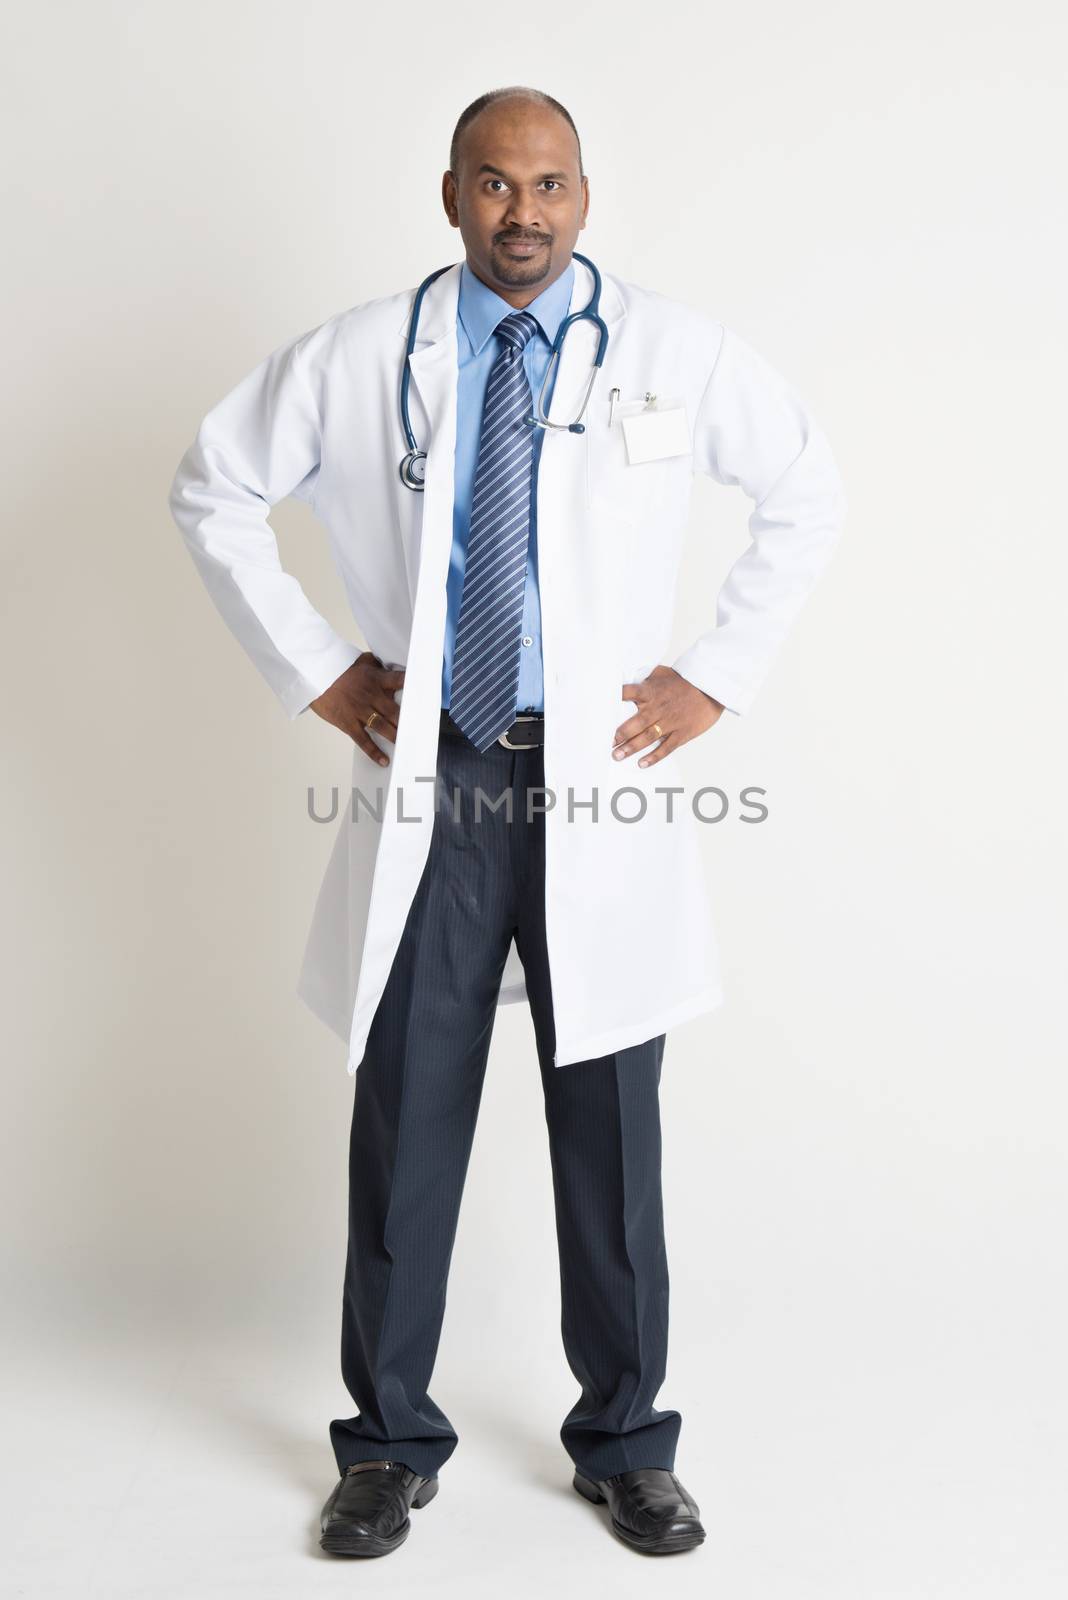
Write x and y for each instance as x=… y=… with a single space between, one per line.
x=480 y=308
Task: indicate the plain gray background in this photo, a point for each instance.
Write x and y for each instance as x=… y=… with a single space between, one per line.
x=864 y=1150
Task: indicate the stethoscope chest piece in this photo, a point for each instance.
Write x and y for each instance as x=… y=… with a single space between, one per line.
x=413 y=470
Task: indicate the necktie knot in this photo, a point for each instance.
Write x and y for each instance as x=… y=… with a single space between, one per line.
x=516 y=330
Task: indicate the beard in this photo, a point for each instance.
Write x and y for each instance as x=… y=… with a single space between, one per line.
x=518 y=272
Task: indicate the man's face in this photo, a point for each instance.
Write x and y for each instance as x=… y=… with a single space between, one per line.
x=518 y=199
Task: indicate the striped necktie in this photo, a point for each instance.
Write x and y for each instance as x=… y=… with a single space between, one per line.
x=485 y=663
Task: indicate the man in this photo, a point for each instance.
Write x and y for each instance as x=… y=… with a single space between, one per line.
x=517 y=603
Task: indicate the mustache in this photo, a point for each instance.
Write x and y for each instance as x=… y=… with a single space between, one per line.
x=522 y=238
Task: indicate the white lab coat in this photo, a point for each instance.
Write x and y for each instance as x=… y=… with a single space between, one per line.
x=630 y=943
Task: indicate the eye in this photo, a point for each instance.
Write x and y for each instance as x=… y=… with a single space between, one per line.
x=553 y=182
x=496 y=180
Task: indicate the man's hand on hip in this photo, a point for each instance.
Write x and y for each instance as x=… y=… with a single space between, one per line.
x=363 y=694
x=671 y=710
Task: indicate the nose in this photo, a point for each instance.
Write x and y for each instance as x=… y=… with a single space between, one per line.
x=523 y=211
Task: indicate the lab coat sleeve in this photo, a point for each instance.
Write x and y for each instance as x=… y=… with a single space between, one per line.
x=256 y=446
x=752 y=430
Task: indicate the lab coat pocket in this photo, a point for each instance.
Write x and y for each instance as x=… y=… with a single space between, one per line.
x=636 y=494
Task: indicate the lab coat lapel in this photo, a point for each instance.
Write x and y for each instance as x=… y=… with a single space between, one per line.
x=409 y=800
x=578 y=555
x=432 y=404
x=580 y=558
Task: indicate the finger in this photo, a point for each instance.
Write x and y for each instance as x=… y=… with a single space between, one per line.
x=387 y=729
x=637 y=723
x=388 y=710
x=634 y=691
x=361 y=737
x=668 y=743
x=637 y=741
x=392 y=680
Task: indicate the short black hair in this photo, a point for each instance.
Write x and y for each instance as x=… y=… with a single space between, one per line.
x=515 y=91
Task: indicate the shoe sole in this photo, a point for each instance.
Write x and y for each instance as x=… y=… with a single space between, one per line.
x=340 y=1544
x=648 y=1544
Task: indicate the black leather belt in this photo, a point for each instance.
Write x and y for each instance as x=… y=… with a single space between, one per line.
x=526 y=732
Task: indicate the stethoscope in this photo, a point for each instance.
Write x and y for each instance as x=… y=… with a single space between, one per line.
x=413 y=467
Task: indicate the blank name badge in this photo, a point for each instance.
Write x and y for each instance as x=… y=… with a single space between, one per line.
x=656 y=432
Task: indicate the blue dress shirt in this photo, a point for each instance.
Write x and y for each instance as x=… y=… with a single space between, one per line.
x=478 y=312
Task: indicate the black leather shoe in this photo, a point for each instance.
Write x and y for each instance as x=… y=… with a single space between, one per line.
x=367 y=1514
x=650 y=1509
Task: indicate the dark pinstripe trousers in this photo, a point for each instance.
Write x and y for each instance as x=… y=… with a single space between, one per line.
x=416 y=1100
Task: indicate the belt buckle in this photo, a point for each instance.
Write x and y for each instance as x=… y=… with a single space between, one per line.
x=502 y=738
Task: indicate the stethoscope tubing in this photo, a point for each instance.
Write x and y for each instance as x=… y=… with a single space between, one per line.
x=413 y=463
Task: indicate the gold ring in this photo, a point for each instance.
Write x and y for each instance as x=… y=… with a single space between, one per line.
x=369 y=724
x=658 y=730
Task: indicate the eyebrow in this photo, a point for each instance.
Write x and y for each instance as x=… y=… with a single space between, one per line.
x=497 y=173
